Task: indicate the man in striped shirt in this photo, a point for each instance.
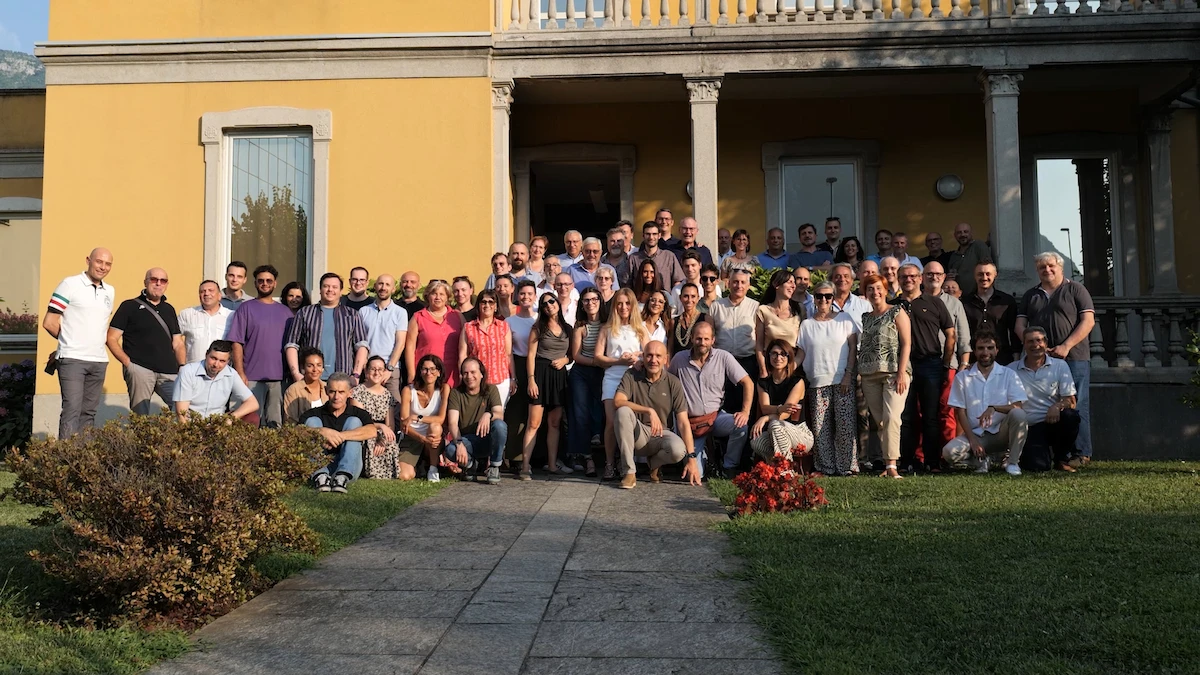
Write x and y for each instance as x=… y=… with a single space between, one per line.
x=77 y=316
x=332 y=327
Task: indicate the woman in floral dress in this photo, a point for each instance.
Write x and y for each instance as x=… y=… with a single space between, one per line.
x=382 y=453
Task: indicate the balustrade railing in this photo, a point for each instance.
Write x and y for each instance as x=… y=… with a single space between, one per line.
x=531 y=15
x=1143 y=333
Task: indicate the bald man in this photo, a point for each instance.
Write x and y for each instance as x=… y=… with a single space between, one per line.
x=387 y=330
x=144 y=336
x=77 y=316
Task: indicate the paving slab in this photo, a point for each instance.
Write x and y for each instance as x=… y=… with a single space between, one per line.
x=561 y=575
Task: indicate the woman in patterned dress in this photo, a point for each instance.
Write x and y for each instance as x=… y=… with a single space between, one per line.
x=382 y=452
x=781 y=399
x=828 y=347
x=883 y=364
x=741 y=258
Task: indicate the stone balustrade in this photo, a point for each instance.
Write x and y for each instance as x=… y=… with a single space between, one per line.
x=1143 y=338
x=531 y=15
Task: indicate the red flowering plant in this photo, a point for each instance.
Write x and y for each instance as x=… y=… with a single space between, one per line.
x=778 y=485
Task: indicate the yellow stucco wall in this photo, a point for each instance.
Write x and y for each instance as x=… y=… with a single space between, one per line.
x=22 y=120
x=72 y=20
x=20 y=243
x=1185 y=184
x=410 y=172
x=22 y=127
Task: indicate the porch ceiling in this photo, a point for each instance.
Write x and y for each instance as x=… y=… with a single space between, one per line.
x=1151 y=83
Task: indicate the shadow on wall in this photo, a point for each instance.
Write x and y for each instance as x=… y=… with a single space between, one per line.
x=47 y=408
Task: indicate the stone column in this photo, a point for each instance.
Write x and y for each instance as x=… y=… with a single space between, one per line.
x=501 y=166
x=1163 y=277
x=1001 y=88
x=702 y=93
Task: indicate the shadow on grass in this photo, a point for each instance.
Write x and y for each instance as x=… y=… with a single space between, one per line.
x=1049 y=574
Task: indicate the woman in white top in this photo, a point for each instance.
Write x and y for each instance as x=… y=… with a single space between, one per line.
x=618 y=347
x=827 y=347
x=422 y=412
x=656 y=316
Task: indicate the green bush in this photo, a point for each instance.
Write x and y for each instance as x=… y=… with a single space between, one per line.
x=162 y=520
x=761 y=280
x=16 y=404
x=1192 y=398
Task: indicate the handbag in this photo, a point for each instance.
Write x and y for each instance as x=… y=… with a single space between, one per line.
x=702 y=424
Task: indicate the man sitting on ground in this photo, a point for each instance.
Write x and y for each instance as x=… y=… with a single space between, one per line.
x=343 y=427
x=1050 y=410
x=652 y=419
x=210 y=386
x=987 y=401
x=475 y=416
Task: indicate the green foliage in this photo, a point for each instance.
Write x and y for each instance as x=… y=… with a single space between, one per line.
x=1092 y=572
x=760 y=281
x=274 y=228
x=1192 y=398
x=16 y=404
x=161 y=520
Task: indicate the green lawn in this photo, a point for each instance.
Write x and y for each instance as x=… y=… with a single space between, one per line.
x=31 y=644
x=1097 y=572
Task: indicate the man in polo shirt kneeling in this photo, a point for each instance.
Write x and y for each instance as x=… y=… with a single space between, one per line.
x=343 y=429
x=210 y=386
x=652 y=419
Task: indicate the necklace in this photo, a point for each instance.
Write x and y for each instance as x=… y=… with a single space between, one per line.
x=683 y=330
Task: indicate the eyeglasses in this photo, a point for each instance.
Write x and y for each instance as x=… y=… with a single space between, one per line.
x=431 y=369
x=157 y=280
x=910 y=276
x=550 y=301
x=358 y=281
x=486 y=302
x=823 y=296
x=708 y=279
x=935 y=274
x=266 y=280
x=590 y=299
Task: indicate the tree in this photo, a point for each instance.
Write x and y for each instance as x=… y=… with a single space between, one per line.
x=273 y=231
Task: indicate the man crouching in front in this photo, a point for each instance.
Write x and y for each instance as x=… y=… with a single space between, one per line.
x=652 y=419
x=343 y=429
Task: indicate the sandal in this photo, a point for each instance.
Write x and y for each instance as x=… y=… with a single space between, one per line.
x=452 y=467
x=526 y=473
x=891 y=472
x=610 y=472
x=591 y=468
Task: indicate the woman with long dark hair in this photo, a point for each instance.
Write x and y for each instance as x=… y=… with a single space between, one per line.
x=781 y=400
x=849 y=251
x=586 y=416
x=656 y=316
x=645 y=282
x=546 y=363
x=778 y=317
x=422 y=413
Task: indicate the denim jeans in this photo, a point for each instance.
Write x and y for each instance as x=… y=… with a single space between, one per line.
x=724 y=427
x=922 y=414
x=1081 y=372
x=347 y=457
x=490 y=446
x=82 y=385
x=586 y=415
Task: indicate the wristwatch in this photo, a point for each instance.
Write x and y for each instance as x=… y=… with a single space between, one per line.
x=391 y=368
x=692 y=455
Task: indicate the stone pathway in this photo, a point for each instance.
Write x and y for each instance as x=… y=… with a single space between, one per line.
x=561 y=576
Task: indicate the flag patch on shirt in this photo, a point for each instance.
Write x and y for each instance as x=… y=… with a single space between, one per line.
x=59 y=302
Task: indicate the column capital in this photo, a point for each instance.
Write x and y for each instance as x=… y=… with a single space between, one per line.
x=703 y=88
x=502 y=95
x=1001 y=82
x=1158 y=122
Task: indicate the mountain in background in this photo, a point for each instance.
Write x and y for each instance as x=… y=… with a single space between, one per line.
x=21 y=71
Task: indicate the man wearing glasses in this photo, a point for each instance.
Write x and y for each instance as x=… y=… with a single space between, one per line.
x=144 y=337
x=665 y=221
x=617 y=256
x=358 y=297
x=803 y=279
x=256 y=330
x=568 y=297
x=583 y=273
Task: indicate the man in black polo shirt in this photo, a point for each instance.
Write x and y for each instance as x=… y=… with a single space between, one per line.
x=931 y=359
x=989 y=308
x=144 y=337
x=652 y=419
x=343 y=427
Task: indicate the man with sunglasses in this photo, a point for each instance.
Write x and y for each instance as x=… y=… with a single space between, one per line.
x=710 y=288
x=144 y=337
x=257 y=330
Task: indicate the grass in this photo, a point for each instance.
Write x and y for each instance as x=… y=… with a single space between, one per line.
x=32 y=644
x=1097 y=572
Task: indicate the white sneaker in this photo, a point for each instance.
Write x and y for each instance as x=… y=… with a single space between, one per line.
x=1013 y=470
x=562 y=468
x=983 y=466
x=433 y=476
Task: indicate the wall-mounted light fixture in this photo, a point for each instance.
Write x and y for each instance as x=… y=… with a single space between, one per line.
x=949 y=187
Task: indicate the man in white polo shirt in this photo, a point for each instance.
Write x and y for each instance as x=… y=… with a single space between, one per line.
x=208 y=387
x=77 y=317
x=987 y=402
x=205 y=322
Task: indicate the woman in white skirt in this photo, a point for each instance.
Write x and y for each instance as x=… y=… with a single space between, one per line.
x=618 y=347
x=781 y=400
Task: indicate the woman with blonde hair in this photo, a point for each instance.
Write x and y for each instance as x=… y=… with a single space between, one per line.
x=435 y=330
x=537 y=253
x=618 y=347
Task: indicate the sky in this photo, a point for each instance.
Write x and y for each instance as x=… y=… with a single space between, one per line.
x=23 y=23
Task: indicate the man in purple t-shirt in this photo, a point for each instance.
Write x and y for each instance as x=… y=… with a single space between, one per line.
x=256 y=330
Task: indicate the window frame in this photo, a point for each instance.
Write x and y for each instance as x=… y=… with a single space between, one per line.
x=863 y=153
x=790 y=236
x=216 y=131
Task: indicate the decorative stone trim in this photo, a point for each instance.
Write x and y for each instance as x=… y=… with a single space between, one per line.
x=703 y=90
x=625 y=156
x=501 y=170
x=865 y=152
x=20 y=208
x=214 y=128
x=21 y=163
x=1001 y=82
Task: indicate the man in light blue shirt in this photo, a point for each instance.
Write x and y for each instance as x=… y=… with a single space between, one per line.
x=387 y=329
x=776 y=256
x=583 y=273
x=208 y=387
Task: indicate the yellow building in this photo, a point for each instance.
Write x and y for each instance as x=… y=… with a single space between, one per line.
x=322 y=134
x=22 y=117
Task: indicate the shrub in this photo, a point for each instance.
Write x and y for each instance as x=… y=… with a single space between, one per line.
x=1192 y=398
x=777 y=486
x=761 y=279
x=12 y=323
x=16 y=404
x=163 y=520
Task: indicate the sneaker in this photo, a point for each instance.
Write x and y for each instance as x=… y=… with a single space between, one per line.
x=339 y=483
x=493 y=475
x=1013 y=470
x=562 y=469
x=629 y=481
x=983 y=466
x=321 y=482
x=610 y=472
x=432 y=476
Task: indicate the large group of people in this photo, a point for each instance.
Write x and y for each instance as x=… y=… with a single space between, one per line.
x=609 y=356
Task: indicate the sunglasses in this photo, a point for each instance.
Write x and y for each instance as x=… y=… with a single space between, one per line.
x=487 y=302
x=157 y=280
x=708 y=279
x=823 y=296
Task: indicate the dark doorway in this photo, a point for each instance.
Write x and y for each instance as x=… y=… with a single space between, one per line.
x=584 y=196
